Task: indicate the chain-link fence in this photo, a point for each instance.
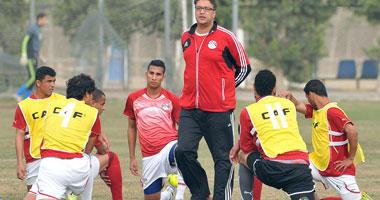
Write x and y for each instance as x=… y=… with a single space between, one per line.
x=114 y=40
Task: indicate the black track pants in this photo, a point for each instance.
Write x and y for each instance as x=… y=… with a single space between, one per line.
x=218 y=130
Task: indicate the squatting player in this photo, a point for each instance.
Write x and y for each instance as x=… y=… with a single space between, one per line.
x=110 y=170
x=71 y=126
x=270 y=126
x=334 y=139
x=28 y=121
x=154 y=112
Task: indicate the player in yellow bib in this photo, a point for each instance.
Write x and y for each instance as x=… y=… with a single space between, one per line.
x=70 y=129
x=270 y=142
x=334 y=139
x=28 y=121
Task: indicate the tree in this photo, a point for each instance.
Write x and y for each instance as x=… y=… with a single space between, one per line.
x=371 y=10
x=287 y=34
x=126 y=16
x=129 y=16
x=13 y=20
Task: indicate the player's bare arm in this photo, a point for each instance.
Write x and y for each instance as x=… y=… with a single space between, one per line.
x=243 y=158
x=234 y=153
x=90 y=145
x=352 y=135
x=132 y=135
x=300 y=107
x=19 y=144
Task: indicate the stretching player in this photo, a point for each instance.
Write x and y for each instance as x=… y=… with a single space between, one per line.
x=28 y=122
x=109 y=171
x=154 y=112
x=71 y=126
x=270 y=126
x=334 y=139
x=98 y=102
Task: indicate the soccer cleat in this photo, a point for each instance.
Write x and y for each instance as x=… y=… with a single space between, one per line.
x=168 y=193
x=72 y=197
x=365 y=196
x=170 y=189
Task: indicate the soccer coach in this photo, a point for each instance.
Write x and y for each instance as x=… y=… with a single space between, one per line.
x=216 y=63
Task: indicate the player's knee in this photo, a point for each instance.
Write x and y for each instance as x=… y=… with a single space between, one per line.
x=306 y=196
x=103 y=161
x=101 y=149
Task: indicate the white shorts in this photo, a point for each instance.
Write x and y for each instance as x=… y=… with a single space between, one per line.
x=94 y=166
x=87 y=193
x=58 y=176
x=345 y=185
x=32 y=171
x=157 y=166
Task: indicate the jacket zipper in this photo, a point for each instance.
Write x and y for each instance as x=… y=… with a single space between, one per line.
x=197 y=70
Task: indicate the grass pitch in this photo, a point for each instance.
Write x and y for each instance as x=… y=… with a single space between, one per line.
x=364 y=114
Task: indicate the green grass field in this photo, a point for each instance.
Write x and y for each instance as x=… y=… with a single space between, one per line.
x=114 y=124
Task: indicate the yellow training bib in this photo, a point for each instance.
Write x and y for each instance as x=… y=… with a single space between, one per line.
x=68 y=125
x=276 y=125
x=322 y=142
x=34 y=111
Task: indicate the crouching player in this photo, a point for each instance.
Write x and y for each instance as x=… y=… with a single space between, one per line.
x=71 y=126
x=335 y=142
x=270 y=126
x=154 y=113
x=105 y=163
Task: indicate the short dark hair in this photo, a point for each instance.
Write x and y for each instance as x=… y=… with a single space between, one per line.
x=40 y=15
x=43 y=71
x=158 y=63
x=78 y=85
x=213 y=2
x=315 y=86
x=97 y=94
x=265 y=81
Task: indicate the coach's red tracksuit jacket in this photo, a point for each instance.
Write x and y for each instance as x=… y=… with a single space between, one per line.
x=213 y=70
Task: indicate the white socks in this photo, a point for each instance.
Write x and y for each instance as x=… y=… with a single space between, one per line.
x=168 y=193
x=181 y=187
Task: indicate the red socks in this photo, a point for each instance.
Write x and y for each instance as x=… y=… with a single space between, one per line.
x=114 y=174
x=332 y=198
x=257 y=186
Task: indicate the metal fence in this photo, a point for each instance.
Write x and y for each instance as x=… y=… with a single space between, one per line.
x=114 y=40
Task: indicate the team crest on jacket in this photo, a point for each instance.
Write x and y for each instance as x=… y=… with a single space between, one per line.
x=212 y=44
x=165 y=106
